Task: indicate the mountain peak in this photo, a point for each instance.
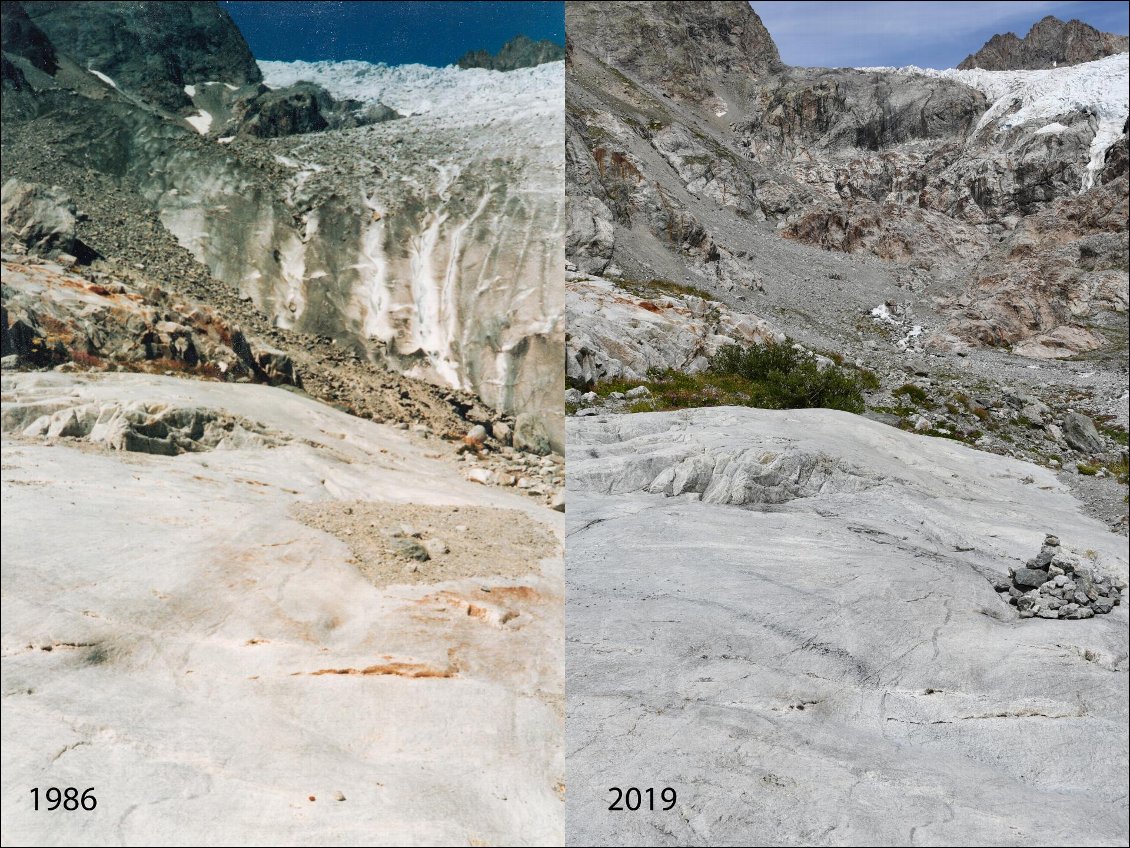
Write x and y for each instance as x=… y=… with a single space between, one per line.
x=1049 y=43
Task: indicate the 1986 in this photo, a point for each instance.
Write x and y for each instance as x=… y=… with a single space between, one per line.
x=68 y=798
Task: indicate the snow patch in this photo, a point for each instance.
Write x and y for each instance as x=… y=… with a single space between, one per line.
x=190 y=90
x=104 y=78
x=910 y=340
x=201 y=121
x=1053 y=128
x=883 y=313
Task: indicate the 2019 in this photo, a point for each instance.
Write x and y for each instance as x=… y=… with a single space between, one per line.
x=633 y=799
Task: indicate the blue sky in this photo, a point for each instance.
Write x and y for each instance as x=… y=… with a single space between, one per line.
x=431 y=33
x=929 y=34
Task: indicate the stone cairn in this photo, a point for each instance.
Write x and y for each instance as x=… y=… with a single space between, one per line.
x=1056 y=584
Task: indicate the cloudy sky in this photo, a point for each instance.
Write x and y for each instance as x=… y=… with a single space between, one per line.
x=929 y=34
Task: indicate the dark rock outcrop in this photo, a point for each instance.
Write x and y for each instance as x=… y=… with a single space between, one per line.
x=23 y=38
x=300 y=108
x=289 y=111
x=845 y=109
x=1050 y=43
x=519 y=52
x=150 y=50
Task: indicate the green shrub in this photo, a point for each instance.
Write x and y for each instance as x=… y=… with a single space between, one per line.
x=1113 y=431
x=780 y=377
x=914 y=393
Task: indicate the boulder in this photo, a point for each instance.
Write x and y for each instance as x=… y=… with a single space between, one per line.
x=1033 y=577
x=1080 y=433
x=530 y=435
x=42 y=218
x=501 y=432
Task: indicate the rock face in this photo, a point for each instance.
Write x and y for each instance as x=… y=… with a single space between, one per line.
x=54 y=316
x=519 y=52
x=1049 y=43
x=618 y=332
x=23 y=38
x=819 y=589
x=168 y=580
x=185 y=44
x=684 y=48
x=42 y=218
x=451 y=274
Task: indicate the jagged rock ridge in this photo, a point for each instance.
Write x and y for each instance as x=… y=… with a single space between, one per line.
x=1049 y=43
x=519 y=52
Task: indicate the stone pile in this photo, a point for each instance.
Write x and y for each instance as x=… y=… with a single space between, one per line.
x=1057 y=584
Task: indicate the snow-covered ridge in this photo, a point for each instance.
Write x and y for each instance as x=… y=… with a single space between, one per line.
x=421 y=89
x=1019 y=97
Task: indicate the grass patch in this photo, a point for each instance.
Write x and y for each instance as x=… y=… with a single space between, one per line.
x=618 y=384
x=1119 y=469
x=916 y=394
x=767 y=377
x=1114 y=432
x=653 y=288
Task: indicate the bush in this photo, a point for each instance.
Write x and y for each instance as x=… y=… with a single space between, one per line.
x=783 y=378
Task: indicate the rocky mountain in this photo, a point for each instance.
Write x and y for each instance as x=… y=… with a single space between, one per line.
x=683 y=49
x=953 y=227
x=451 y=275
x=519 y=52
x=1049 y=43
x=150 y=50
